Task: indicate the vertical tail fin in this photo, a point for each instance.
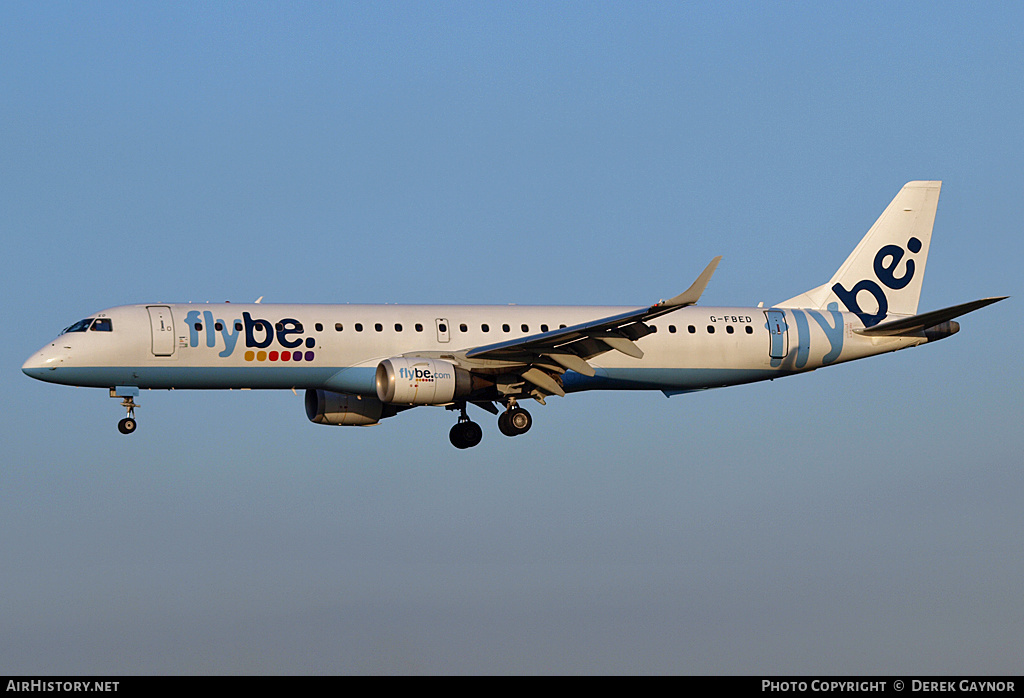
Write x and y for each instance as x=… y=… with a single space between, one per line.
x=883 y=275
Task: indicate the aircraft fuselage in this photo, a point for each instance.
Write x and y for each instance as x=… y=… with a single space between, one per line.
x=338 y=347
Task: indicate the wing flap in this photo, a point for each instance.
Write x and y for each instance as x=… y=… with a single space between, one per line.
x=571 y=362
x=621 y=344
x=543 y=381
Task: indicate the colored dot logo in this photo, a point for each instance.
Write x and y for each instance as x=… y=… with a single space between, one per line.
x=279 y=356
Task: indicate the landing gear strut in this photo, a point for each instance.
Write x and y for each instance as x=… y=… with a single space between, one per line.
x=514 y=420
x=466 y=433
x=128 y=424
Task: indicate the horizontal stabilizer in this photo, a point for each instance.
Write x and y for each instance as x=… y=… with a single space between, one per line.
x=918 y=323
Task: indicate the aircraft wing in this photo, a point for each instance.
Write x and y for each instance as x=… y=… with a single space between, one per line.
x=541 y=356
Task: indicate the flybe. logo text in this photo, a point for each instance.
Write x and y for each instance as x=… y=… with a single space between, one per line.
x=886 y=264
x=258 y=333
x=422 y=375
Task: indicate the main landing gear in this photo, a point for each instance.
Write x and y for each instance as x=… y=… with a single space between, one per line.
x=466 y=433
x=512 y=422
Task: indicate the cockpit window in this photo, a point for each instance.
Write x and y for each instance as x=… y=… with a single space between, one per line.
x=102 y=325
x=80 y=326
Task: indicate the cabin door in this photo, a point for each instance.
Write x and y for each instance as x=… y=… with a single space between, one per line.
x=777 y=331
x=162 y=328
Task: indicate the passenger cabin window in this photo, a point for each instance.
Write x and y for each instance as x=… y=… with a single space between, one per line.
x=463 y=328
x=711 y=329
x=749 y=329
x=102 y=325
x=398 y=327
x=338 y=327
x=359 y=327
x=671 y=329
x=506 y=328
x=238 y=326
x=319 y=327
x=485 y=328
x=543 y=328
x=691 y=329
x=217 y=326
x=729 y=329
x=525 y=328
x=379 y=327
x=419 y=327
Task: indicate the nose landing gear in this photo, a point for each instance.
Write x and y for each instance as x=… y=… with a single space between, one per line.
x=128 y=424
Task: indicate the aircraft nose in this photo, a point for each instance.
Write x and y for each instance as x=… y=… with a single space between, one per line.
x=43 y=362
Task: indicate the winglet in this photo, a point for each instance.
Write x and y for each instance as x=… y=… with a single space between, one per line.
x=691 y=295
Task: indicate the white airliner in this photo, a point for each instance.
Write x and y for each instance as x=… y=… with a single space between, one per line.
x=360 y=364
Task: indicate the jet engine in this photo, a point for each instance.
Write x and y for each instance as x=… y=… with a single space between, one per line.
x=341 y=409
x=411 y=381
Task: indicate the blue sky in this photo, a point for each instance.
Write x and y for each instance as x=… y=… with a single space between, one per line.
x=864 y=519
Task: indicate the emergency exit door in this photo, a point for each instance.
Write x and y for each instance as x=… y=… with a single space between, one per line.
x=443 y=332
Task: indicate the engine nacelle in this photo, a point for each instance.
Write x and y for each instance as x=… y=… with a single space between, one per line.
x=405 y=381
x=340 y=409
